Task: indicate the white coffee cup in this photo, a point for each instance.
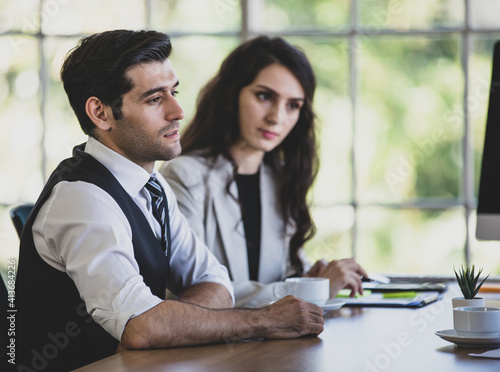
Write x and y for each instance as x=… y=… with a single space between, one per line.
x=315 y=290
x=476 y=321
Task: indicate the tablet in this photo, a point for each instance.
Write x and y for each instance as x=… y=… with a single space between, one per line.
x=405 y=286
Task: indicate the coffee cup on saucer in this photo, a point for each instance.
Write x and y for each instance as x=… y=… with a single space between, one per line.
x=314 y=290
x=475 y=321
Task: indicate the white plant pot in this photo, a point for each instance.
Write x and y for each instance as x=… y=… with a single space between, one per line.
x=460 y=302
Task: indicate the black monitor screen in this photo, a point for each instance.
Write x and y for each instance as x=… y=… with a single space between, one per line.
x=488 y=208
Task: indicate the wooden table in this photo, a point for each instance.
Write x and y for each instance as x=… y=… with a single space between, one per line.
x=354 y=339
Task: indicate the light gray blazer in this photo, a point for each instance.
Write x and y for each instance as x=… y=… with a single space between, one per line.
x=215 y=216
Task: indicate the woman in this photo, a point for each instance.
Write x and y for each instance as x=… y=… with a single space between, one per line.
x=249 y=161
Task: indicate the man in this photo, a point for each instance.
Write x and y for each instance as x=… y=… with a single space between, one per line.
x=101 y=248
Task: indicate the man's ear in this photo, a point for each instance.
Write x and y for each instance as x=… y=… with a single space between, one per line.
x=99 y=113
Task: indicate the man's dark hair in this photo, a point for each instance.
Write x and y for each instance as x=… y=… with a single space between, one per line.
x=97 y=67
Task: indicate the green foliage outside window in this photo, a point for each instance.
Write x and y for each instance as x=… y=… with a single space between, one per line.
x=391 y=104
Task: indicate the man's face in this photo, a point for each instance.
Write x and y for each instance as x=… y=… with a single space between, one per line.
x=149 y=127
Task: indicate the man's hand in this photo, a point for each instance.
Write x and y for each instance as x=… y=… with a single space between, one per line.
x=291 y=317
x=343 y=274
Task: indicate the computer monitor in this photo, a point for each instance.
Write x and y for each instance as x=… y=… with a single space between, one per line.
x=488 y=207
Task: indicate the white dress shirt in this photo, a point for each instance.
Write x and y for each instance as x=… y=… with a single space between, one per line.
x=82 y=231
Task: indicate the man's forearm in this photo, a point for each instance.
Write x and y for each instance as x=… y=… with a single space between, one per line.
x=175 y=323
x=210 y=295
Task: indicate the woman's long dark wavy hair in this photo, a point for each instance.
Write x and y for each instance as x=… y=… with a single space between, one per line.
x=215 y=128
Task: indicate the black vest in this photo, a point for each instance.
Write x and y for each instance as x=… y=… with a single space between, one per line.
x=54 y=332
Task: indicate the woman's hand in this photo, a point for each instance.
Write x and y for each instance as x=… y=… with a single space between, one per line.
x=343 y=274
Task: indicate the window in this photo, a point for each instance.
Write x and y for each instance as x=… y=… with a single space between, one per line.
x=401 y=102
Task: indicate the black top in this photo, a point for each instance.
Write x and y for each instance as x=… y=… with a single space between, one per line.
x=249 y=196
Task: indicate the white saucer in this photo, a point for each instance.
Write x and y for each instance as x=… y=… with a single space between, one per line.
x=465 y=341
x=332 y=304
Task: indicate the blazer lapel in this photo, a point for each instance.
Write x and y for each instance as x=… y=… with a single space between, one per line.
x=273 y=246
x=229 y=220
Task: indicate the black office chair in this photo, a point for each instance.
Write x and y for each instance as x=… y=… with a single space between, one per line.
x=3 y=322
x=19 y=215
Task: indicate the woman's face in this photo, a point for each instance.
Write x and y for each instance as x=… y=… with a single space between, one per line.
x=269 y=108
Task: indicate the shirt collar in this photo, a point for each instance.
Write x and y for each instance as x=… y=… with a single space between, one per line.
x=131 y=176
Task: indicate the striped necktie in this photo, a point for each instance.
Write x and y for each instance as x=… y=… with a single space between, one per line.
x=159 y=205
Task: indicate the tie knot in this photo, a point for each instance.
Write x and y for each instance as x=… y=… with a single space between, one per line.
x=154 y=187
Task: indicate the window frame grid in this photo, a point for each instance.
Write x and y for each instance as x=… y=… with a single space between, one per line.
x=352 y=35
x=466 y=199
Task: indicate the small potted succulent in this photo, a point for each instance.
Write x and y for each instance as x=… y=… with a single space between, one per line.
x=467 y=280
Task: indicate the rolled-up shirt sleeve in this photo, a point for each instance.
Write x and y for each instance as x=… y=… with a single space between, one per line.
x=81 y=230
